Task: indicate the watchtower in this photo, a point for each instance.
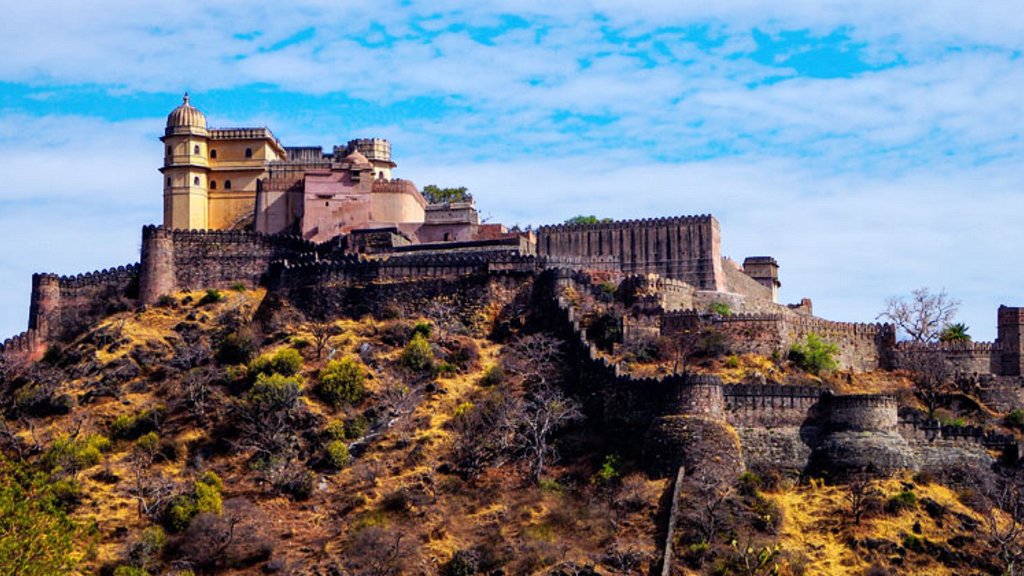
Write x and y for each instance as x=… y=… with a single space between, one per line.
x=765 y=270
x=1011 y=347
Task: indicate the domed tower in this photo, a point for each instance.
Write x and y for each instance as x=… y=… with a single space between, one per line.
x=377 y=151
x=185 y=169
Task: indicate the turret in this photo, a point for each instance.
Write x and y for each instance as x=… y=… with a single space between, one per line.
x=377 y=151
x=765 y=270
x=185 y=169
x=1011 y=345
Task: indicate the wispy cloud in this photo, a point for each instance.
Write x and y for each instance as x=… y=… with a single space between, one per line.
x=871 y=148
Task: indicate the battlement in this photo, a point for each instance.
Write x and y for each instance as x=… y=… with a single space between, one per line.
x=394 y=186
x=98 y=277
x=242 y=134
x=625 y=224
x=949 y=347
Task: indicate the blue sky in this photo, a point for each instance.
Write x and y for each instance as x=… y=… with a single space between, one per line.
x=871 y=148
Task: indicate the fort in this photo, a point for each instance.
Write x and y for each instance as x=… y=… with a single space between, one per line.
x=334 y=233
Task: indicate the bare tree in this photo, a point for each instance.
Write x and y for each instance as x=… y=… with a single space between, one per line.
x=1004 y=519
x=933 y=376
x=545 y=411
x=708 y=493
x=534 y=359
x=197 y=391
x=322 y=333
x=861 y=494
x=378 y=552
x=923 y=316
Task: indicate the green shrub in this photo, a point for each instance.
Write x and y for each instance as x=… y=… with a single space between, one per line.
x=549 y=485
x=238 y=287
x=148 y=442
x=167 y=301
x=130 y=427
x=211 y=297
x=236 y=348
x=417 y=354
x=204 y=497
x=749 y=483
x=69 y=455
x=955 y=422
x=207 y=498
x=905 y=500
x=911 y=542
x=609 y=471
x=423 y=328
x=732 y=361
x=335 y=430
x=356 y=427
x=720 y=309
x=179 y=513
x=273 y=390
x=1015 y=419
x=337 y=455
x=446 y=370
x=462 y=409
x=342 y=382
x=286 y=361
x=814 y=354
x=300 y=343
x=492 y=376
x=130 y=571
x=210 y=478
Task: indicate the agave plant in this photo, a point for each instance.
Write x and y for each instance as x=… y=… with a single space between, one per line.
x=956 y=332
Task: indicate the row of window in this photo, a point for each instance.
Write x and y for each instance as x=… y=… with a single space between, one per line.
x=213 y=183
x=213 y=153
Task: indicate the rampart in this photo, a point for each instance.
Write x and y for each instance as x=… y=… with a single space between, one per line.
x=684 y=248
x=968 y=357
x=60 y=305
x=175 y=260
x=861 y=347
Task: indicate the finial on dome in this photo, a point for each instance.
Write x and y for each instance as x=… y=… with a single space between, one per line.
x=185 y=99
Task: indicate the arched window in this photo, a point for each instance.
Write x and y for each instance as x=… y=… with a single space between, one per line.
x=168 y=180
x=248 y=152
x=213 y=153
x=213 y=184
x=195 y=150
x=168 y=150
x=195 y=181
x=227 y=184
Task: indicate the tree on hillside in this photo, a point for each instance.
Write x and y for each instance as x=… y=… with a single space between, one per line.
x=437 y=195
x=933 y=376
x=582 y=219
x=923 y=315
x=1004 y=518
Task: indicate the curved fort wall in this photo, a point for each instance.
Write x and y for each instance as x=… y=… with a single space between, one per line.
x=684 y=248
x=861 y=347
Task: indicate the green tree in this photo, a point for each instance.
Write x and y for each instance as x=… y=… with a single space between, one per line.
x=582 y=219
x=956 y=332
x=36 y=534
x=814 y=354
x=437 y=195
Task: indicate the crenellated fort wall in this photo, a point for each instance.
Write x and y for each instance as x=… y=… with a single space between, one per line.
x=861 y=347
x=175 y=260
x=683 y=248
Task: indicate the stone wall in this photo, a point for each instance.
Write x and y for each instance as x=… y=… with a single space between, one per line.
x=175 y=260
x=60 y=306
x=684 y=248
x=862 y=347
x=969 y=357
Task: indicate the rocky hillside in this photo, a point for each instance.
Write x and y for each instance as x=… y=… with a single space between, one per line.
x=228 y=433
